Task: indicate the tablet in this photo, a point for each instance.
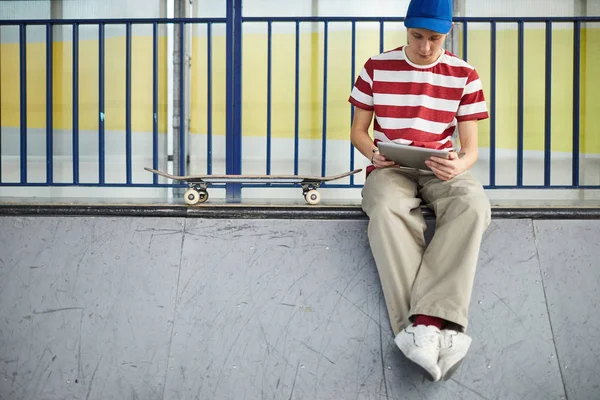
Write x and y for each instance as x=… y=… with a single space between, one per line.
x=410 y=156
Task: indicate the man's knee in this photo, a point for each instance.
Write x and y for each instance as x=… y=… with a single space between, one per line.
x=390 y=205
x=386 y=193
x=479 y=208
x=389 y=199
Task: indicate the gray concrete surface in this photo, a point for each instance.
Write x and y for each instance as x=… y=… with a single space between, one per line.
x=169 y=308
x=571 y=277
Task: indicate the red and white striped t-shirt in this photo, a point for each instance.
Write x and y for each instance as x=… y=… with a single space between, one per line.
x=418 y=105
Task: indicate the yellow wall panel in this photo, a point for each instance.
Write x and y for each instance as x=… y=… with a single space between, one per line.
x=62 y=85
x=254 y=75
x=9 y=84
x=199 y=85
x=590 y=142
x=534 y=89
x=88 y=84
x=562 y=90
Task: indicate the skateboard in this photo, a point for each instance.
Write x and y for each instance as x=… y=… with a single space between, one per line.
x=198 y=193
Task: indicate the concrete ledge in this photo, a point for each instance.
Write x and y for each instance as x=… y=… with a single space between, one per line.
x=186 y=308
x=253 y=211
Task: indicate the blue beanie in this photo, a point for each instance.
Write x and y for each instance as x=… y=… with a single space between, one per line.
x=435 y=15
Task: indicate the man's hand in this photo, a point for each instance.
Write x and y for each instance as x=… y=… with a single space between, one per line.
x=446 y=169
x=380 y=161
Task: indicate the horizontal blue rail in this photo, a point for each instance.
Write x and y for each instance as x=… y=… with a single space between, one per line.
x=233 y=23
x=401 y=19
x=150 y=21
x=111 y=21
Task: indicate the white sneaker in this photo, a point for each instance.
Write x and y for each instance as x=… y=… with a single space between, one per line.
x=454 y=348
x=421 y=344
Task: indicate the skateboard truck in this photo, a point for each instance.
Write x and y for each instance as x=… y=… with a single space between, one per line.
x=310 y=193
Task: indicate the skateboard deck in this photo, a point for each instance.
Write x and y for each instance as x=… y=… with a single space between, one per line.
x=197 y=193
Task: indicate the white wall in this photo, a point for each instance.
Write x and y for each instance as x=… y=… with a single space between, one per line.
x=209 y=9
x=387 y=8
x=96 y=9
x=31 y=9
x=593 y=7
x=36 y=9
x=40 y=9
x=358 y=8
x=520 y=8
x=112 y=9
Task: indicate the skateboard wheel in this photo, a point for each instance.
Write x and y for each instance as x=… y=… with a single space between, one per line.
x=203 y=196
x=312 y=197
x=192 y=197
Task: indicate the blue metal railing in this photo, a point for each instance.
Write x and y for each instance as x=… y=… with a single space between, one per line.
x=23 y=79
x=101 y=24
x=101 y=104
x=493 y=23
x=209 y=138
x=576 y=100
x=233 y=135
x=521 y=103
x=75 y=103
x=234 y=23
x=352 y=80
x=269 y=92
x=297 y=101
x=492 y=111
x=182 y=133
x=49 y=106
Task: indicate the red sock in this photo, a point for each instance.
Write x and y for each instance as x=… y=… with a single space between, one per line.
x=427 y=320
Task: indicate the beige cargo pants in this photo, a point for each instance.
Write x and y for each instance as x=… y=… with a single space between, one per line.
x=435 y=280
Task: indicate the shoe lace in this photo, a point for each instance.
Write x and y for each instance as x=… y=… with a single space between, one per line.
x=448 y=339
x=432 y=338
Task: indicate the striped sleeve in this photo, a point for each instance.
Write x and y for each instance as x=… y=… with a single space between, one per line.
x=472 y=104
x=362 y=93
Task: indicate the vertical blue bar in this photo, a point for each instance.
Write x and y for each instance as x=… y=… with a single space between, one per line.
x=237 y=94
x=548 y=112
x=234 y=90
x=128 y=100
x=49 y=107
x=521 y=105
x=155 y=100
x=353 y=79
x=576 y=100
x=209 y=138
x=269 y=77
x=23 y=93
x=229 y=77
x=493 y=106
x=465 y=40
x=101 y=104
x=75 y=103
x=182 y=128
x=381 y=37
x=297 y=101
x=324 y=136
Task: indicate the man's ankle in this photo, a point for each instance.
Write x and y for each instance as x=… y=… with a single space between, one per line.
x=430 y=321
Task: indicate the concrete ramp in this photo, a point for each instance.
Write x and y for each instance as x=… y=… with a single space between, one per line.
x=181 y=308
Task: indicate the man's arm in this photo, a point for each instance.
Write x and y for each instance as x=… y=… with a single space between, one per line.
x=469 y=152
x=468 y=135
x=359 y=136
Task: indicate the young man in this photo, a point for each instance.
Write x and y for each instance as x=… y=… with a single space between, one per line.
x=420 y=95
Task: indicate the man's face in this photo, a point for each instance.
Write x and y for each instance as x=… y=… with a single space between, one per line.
x=425 y=45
